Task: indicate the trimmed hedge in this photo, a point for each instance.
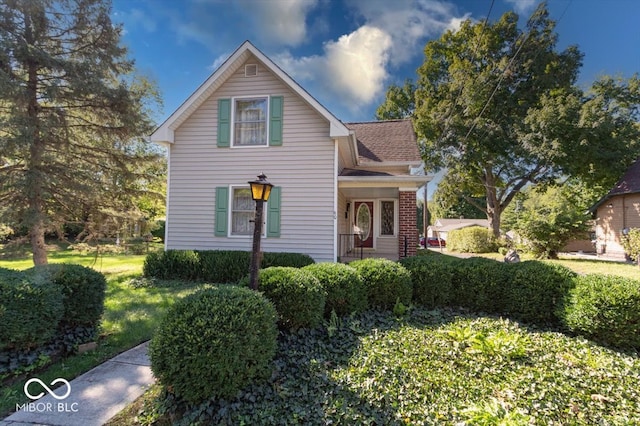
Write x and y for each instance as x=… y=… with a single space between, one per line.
x=386 y=282
x=172 y=264
x=606 y=309
x=344 y=286
x=83 y=289
x=215 y=266
x=474 y=239
x=537 y=289
x=530 y=291
x=30 y=310
x=214 y=342
x=297 y=295
x=432 y=278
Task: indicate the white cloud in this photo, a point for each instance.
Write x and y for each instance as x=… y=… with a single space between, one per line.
x=523 y=6
x=409 y=22
x=353 y=68
x=279 y=22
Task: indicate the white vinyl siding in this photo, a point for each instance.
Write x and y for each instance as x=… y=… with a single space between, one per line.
x=302 y=166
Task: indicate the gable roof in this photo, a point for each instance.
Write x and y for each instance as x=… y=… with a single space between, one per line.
x=629 y=183
x=387 y=141
x=165 y=133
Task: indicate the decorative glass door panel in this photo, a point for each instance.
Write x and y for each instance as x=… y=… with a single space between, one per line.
x=364 y=222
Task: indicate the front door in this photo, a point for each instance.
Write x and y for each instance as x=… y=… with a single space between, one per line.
x=364 y=222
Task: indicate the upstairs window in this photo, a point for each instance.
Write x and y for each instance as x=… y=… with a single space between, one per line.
x=250 y=122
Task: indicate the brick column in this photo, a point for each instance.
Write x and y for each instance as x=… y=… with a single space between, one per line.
x=408 y=223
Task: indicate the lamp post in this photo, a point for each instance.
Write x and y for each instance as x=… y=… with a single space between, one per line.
x=260 y=191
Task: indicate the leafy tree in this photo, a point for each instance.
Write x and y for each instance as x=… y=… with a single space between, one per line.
x=497 y=106
x=72 y=114
x=399 y=102
x=450 y=200
x=547 y=217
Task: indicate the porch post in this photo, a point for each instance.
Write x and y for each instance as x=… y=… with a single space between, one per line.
x=408 y=224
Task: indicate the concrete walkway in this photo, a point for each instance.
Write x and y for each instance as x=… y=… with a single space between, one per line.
x=93 y=397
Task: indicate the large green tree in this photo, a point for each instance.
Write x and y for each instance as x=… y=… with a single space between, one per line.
x=72 y=111
x=496 y=105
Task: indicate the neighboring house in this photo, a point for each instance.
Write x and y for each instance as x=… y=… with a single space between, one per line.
x=330 y=177
x=441 y=228
x=617 y=212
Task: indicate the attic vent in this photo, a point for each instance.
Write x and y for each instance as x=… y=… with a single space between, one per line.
x=250 y=70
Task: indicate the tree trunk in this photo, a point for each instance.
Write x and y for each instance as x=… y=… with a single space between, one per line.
x=36 y=235
x=494 y=208
x=35 y=210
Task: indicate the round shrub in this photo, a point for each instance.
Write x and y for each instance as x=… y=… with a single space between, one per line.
x=298 y=295
x=214 y=342
x=480 y=284
x=344 y=287
x=83 y=290
x=474 y=239
x=30 y=309
x=536 y=290
x=386 y=282
x=605 y=308
x=432 y=279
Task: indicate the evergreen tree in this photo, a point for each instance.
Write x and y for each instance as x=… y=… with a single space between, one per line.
x=72 y=112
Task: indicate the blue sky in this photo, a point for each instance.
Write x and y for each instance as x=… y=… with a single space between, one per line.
x=346 y=52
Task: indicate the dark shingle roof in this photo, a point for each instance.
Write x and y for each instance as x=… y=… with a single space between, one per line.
x=390 y=140
x=628 y=184
x=630 y=181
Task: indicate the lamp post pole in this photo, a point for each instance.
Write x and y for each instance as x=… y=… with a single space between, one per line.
x=260 y=191
x=256 y=254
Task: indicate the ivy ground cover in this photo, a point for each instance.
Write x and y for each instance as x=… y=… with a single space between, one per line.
x=433 y=367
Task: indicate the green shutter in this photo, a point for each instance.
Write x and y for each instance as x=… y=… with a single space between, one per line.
x=224 y=122
x=222 y=204
x=273 y=213
x=275 y=120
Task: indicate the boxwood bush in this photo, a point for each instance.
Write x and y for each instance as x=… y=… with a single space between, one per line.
x=83 y=290
x=30 y=310
x=386 y=282
x=344 y=287
x=297 y=295
x=432 y=279
x=172 y=264
x=222 y=266
x=214 y=342
x=215 y=266
x=294 y=260
x=606 y=309
x=536 y=290
x=480 y=284
x=474 y=239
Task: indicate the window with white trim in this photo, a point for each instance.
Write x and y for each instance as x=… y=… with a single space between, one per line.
x=250 y=119
x=242 y=211
x=387 y=218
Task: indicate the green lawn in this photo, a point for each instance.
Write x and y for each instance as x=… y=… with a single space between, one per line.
x=130 y=317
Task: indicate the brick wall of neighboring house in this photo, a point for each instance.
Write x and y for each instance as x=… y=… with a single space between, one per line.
x=408 y=224
x=614 y=215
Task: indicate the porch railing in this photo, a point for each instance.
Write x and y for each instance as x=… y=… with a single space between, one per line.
x=350 y=247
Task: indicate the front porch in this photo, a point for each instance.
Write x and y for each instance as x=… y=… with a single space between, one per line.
x=376 y=219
